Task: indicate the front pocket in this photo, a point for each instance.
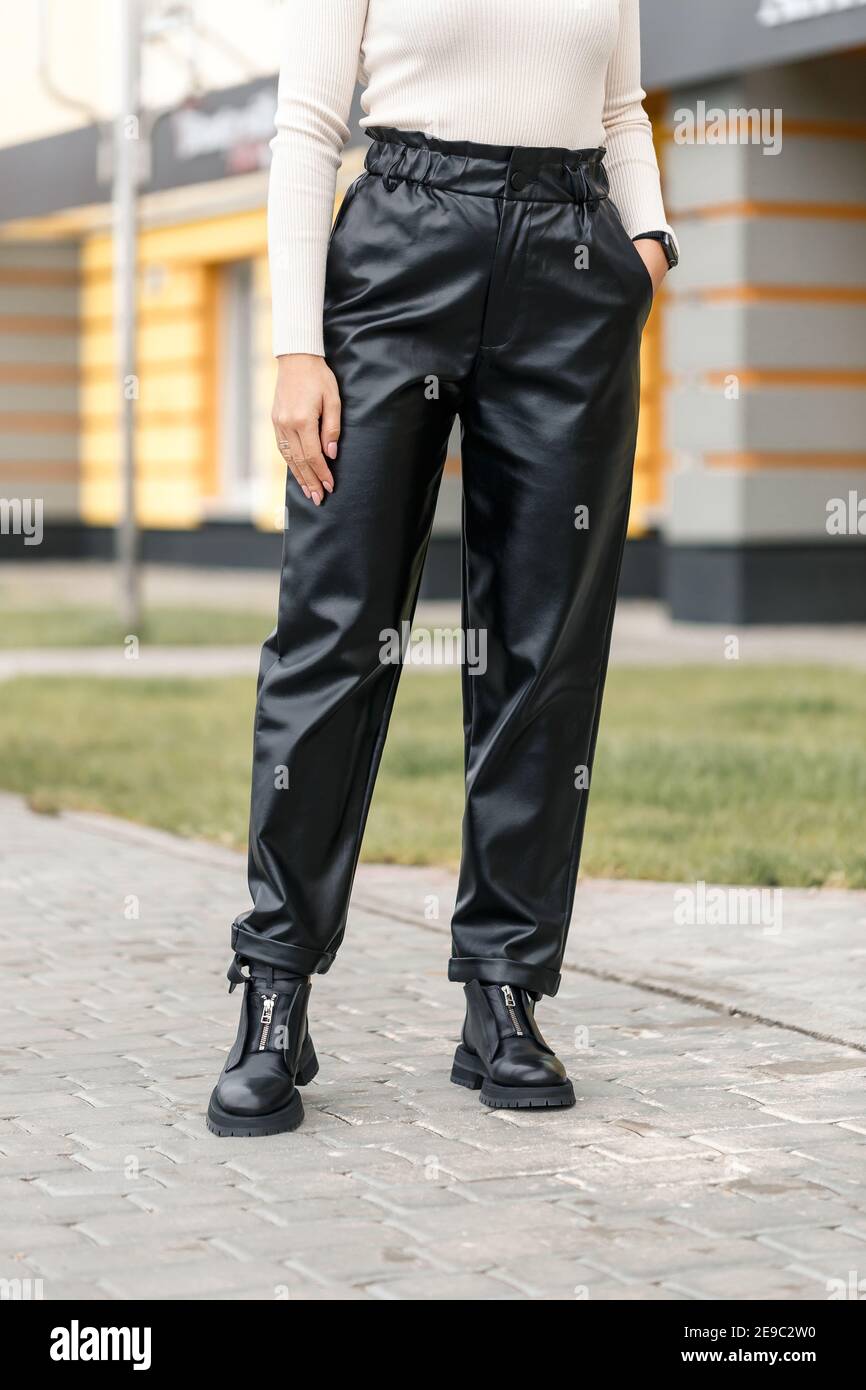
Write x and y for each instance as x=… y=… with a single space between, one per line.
x=636 y=258
x=348 y=198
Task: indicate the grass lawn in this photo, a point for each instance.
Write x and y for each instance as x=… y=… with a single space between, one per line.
x=100 y=627
x=733 y=774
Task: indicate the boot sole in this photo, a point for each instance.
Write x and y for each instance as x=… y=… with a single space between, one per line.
x=228 y=1126
x=469 y=1071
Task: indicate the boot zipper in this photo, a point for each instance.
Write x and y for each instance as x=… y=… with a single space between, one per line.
x=268 y=1001
x=510 y=1005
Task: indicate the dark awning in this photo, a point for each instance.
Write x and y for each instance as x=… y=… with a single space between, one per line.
x=684 y=40
x=220 y=135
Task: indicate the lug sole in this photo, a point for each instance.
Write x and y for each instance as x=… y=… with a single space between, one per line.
x=469 y=1071
x=527 y=1097
x=462 y=1076
x=226 y=1125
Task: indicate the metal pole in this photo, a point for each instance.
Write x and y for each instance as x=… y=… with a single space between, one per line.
x=125 y=200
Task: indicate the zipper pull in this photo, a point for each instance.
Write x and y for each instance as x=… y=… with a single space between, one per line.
x=511 y=1006
x=268 y=1001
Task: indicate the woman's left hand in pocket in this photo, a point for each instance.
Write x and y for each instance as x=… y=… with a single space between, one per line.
x=655 y=260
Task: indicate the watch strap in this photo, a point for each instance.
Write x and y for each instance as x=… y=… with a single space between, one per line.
x=666 y=242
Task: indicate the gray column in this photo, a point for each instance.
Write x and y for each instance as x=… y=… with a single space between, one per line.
x=766 y=352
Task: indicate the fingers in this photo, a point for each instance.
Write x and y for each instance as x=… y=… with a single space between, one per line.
x=300 y=449
x=330 y=429
x=299 y=445
x=290 y=447
x=306 y=419
x=315 y=461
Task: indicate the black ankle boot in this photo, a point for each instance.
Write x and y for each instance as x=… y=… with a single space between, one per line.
x=256 y=1093
x=504 y=1054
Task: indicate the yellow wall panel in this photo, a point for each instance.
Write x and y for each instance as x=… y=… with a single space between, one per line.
x=160 y=287
x=177 y=365
x=179 y=341
x=97 y=351
x=161 y=450
x=182 y=340
x=182 y=444
x=237 y=236
x=178 y=390
x=173 y=503
x=99 y=501
x=167 y=503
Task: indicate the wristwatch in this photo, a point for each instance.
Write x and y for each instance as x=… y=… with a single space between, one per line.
x=666 y=242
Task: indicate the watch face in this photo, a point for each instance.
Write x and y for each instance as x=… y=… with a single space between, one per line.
x=666 y=241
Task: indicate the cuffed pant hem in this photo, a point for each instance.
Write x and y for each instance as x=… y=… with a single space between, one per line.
x=297 y=960
x=498 y=971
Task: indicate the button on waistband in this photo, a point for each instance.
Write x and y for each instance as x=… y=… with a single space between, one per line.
x=519 y=181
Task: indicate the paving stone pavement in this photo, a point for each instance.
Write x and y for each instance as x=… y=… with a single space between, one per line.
x=716 y=1150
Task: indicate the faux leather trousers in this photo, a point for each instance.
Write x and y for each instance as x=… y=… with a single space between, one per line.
x=498 y=285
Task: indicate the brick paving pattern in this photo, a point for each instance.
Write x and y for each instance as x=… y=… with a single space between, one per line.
x=717 y=1149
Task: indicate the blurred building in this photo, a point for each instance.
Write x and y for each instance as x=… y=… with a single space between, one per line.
x=754 y=407
x=763 y=363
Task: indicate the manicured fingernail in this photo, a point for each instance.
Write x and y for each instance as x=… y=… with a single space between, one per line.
x=332 y=451
x=305 y=490
x=329 y=487
x=316 y=498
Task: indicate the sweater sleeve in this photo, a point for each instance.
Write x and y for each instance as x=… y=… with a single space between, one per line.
x=631 y=159
x=319 y=62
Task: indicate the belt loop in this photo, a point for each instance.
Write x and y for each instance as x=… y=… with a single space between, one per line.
x=584 y=195
x=389 y=180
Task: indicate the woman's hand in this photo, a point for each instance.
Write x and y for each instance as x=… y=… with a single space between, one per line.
x=654 y=258
x=306 y=418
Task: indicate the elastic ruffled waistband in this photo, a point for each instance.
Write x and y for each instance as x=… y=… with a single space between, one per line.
x=519 y=173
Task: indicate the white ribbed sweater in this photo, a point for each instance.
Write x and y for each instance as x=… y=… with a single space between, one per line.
x=560 y=73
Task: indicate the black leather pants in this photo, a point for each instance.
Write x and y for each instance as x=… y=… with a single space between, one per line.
x=499 y=285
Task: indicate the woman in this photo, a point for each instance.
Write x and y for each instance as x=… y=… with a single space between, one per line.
x=477 y=269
